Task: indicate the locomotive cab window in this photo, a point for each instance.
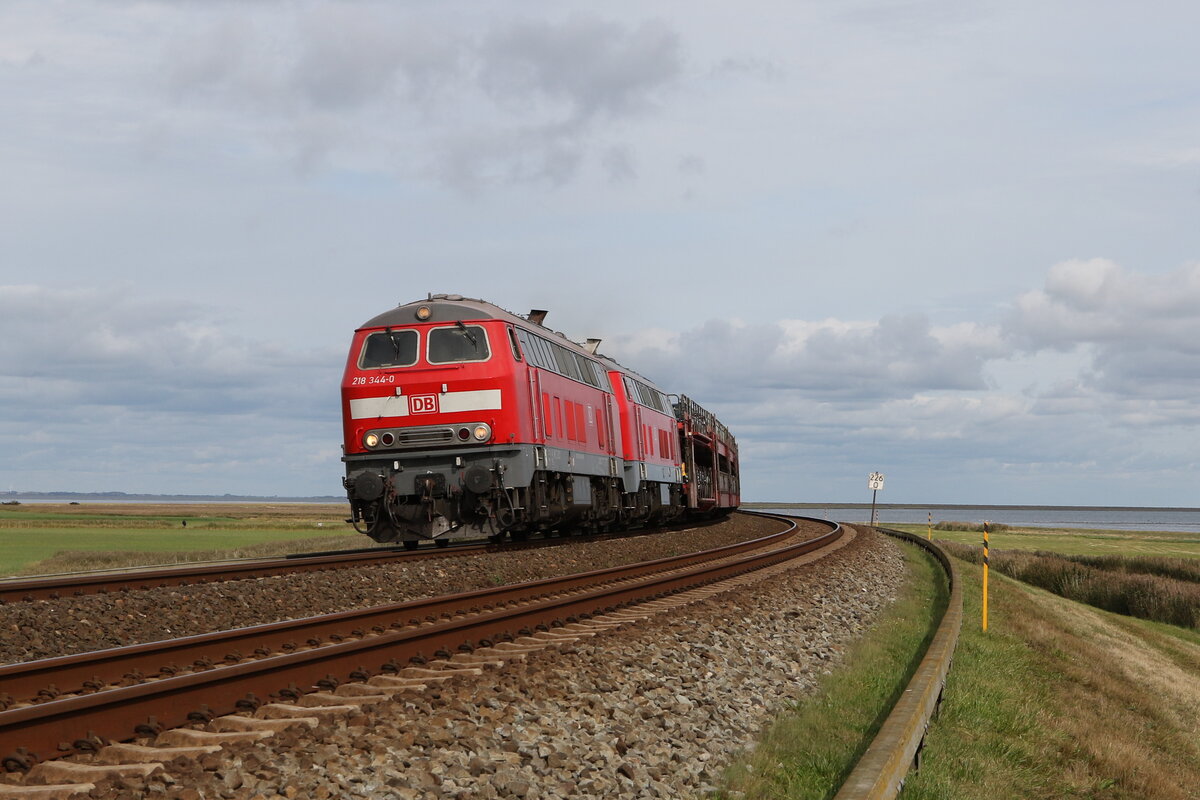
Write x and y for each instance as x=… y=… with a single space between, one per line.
x=389 y=349
x=457 y=344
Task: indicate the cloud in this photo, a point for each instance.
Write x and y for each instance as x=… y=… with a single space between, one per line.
x=1139 y=333
x=143 y=388
x=1098 y=301
x=587 y=66
x=109 y=348
x=513 y=102
x=1100 y=371
x=108 y=390
x=618 y=164
x=349 y=58
x=832 y=360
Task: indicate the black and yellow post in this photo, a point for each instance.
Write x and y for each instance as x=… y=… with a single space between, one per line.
x=985 y=574
x=929 y=532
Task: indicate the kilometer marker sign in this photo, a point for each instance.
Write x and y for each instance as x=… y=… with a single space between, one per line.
x=874 y=483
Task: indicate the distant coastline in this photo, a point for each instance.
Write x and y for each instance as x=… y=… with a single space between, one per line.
x=123 y=497
x=126 y=497
x=952 y=506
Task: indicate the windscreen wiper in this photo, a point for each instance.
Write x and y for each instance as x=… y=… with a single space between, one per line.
x=467 y=333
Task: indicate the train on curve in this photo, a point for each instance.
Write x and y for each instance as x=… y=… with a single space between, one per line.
x=463 y=420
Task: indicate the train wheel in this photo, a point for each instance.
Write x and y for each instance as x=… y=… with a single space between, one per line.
x=442 y=542
x=410 y=544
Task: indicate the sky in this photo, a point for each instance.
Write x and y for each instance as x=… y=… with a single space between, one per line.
x=955 y=243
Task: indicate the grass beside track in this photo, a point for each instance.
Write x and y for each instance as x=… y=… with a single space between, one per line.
x=816 y=743
x=1148 y=587
x=1057 y=700
x=61 y=538
x=1074 y=541
x=1060 y=700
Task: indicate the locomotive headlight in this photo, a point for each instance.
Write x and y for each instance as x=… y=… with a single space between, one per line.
x=424 y=312
x=483 y=432
x=371 y=440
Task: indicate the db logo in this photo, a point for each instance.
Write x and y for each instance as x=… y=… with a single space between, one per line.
x=423 y=404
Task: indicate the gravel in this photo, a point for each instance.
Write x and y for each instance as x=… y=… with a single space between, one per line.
x=654 y=710
x=47 y=628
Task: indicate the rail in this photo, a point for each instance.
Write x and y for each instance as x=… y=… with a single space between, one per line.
x=70 y=584
x=880 y=773
x=123 y=579
x=458 y=623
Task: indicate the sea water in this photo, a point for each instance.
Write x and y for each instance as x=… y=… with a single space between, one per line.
x=1183 y=520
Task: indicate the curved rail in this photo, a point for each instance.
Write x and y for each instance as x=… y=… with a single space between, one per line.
x=75 y=584
x=471 y=619
x=880 y=773
x=88 y=671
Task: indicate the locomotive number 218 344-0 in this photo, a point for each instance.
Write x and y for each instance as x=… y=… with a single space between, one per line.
x=365 y=380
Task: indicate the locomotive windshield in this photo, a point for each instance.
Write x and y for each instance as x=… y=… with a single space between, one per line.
x=389 y=349
x=460 y=343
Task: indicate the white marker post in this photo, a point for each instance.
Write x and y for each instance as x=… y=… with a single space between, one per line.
x=875 y=484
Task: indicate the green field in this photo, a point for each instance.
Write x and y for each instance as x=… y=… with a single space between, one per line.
x=62 y=538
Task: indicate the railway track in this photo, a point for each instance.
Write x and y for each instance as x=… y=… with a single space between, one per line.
x=77 y=584
x=342 y=688
x=78 y=703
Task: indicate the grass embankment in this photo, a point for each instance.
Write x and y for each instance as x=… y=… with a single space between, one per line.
x=1075 y=541
x=1060 y=700
x=46 y=538
x=1056 y=700
x=1160 y=589
x=816 y=744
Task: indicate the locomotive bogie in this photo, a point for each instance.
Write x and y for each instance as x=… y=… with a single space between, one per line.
x=440 y=494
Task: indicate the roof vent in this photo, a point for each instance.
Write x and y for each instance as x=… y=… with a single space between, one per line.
x=591 y=345
x=537 y=315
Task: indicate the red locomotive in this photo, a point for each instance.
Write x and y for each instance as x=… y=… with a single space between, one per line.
x=462 y=419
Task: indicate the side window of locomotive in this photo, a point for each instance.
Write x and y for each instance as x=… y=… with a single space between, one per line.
x=512 y=341
x=530 y=351
x=643 y=394
x=630 y=389
x=601 y=376
x=458 y=344
x=585 y=370
x=389 y=349
x=545 y=360
x=653 y=398
x=546 y=350
x=566 y=362
x=533 y=349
